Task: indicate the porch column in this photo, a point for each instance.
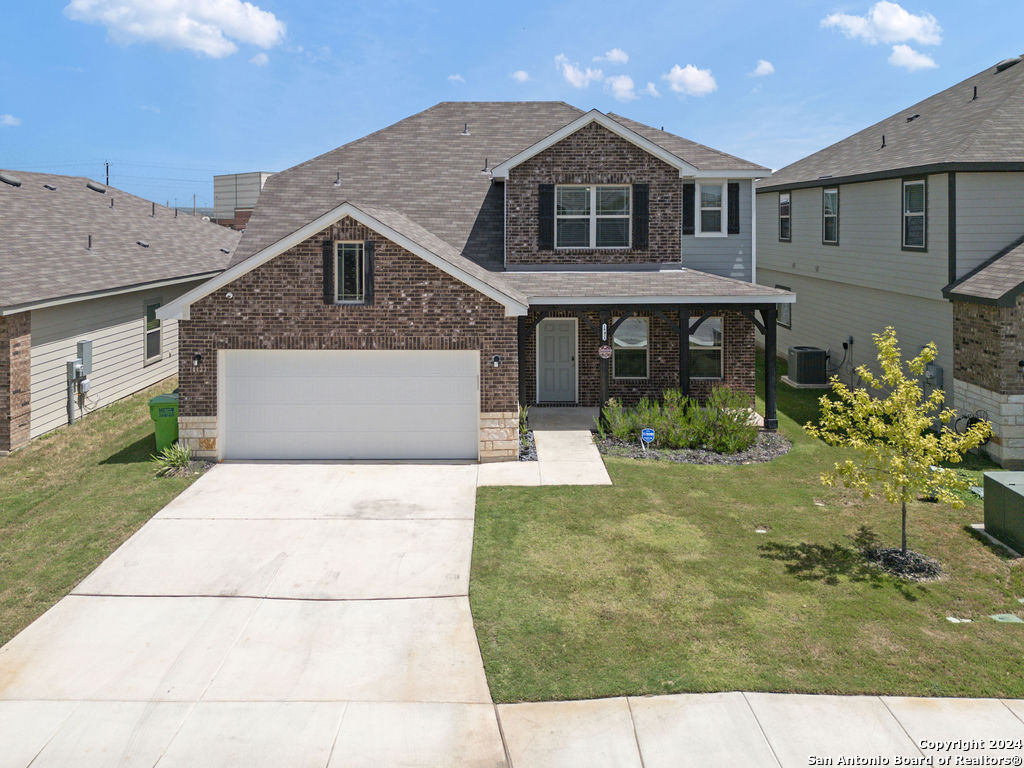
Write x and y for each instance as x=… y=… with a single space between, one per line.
x=769 y=314
x=605 y=365
x=521 y=354
x=684 y=350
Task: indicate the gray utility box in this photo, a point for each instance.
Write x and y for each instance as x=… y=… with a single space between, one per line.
x=1004 y=508
x=807 y=365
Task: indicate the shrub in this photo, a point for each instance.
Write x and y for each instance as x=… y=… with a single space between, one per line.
x=175 y=459
x=524 y=420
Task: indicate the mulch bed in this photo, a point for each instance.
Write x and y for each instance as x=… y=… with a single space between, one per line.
x=768 y=446
x=527 y=447
x=909 y=566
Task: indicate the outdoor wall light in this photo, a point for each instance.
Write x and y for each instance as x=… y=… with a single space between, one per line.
x=229 y=295
x=196 y=360
x=496 y=361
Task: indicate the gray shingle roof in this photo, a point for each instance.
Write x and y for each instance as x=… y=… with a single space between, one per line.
x=682 y=283
x=951 y=127
x=998 y=280
x=423 y=168
x=699 y=156
x=44 y=236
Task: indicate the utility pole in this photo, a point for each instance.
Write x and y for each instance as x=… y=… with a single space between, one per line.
x=107 y=164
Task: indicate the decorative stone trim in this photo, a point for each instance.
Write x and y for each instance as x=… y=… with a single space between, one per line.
x=1006 y=412
x=499 y=436
x=199 y=433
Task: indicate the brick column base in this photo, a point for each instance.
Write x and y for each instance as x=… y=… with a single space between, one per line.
x=199 y=433
x=499 y=436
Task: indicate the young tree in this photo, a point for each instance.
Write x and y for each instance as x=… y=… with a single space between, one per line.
x=891 y=430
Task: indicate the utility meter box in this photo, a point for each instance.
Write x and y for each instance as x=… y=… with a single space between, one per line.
x=1004 y=508
x=85 y=355
x=933 y=375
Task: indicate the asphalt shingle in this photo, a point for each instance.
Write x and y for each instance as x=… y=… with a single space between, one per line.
x=996 y=280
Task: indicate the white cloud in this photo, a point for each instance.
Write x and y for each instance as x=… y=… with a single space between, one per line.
x=887 y=22
x=457 y=78
x=210 y=27
x=907 y=57
x=260 y=60
x=690 y=81
x=622 y=87
x=576 y=77
x=614 y=56
x=763 y=69
x=9 y=121
x=650 y=90
x=520 y=75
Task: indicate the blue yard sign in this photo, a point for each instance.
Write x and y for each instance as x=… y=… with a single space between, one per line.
x=647 y=435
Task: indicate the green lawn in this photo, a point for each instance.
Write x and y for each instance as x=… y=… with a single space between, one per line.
x=660 y=584
x=71 y=498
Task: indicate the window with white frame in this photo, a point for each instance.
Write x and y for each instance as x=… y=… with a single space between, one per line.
x=630 y=347
x=785 y=316
x=706 y=349
x=785 y=217
x=830 y=216
x=594 y=216
x=914 y=194
x=152 y=331
x=349 y=272
x=712 y=205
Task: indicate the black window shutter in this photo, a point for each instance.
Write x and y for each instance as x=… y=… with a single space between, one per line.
x=734 y=208
x=546 y=217
x=688 y=194
x=368 y=272
x=328 y=249
x=641 y=216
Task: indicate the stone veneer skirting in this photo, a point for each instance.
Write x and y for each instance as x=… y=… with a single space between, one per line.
x=499 y=436
x=1006 y=412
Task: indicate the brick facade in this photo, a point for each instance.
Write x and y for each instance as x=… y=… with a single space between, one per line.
x=593 y=155
x=663 y=361
x=15 y=380
x=279 y=305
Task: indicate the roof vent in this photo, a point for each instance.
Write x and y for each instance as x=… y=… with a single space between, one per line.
x=6 y=178
x=486 y=168
x=224 y=250
x=337 y=179
x=883 y=142
x=465 y=130
x=96 y=187
x=912 y=118
x=143 y=243
x=1007 y=63
x=50 y=187
x=975 y=96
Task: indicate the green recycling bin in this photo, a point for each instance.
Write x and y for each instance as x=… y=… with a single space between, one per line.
x=163 y=409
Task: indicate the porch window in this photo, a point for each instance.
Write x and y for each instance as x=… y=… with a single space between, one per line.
x=629 y=347
x=349 y=275
x=712 y=209
x=706 y=349
x=592 y=216
x=830 y=216
x=785 y=217
x=914 y=193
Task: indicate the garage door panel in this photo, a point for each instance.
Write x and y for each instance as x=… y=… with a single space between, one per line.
x=360 y=404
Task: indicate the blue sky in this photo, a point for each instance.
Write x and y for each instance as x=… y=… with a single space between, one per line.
x=173 y=92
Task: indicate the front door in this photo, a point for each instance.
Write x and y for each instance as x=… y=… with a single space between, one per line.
x=556 y=360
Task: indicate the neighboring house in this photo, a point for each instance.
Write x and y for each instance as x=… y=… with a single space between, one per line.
x=80 y=261
x=884 y=227
x=401 y=296
x=235 y=196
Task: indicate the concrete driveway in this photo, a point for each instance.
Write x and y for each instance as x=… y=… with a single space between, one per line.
x=273 y=614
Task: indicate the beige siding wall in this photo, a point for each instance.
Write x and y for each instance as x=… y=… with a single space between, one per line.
x=826 y=313
x=870 y=230
x=990 y=215
x=115 y=326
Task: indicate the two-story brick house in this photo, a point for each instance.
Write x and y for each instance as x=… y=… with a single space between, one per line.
x=400 y=296
x=886 y=226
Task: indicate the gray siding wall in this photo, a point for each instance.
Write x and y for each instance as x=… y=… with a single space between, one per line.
x=115 y=326
x=727 y=256
x=989 y=215
x=869 y=253
x=826 y=313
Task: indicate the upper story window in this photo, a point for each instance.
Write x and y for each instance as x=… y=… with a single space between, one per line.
x=830 y=216
x=914 y=218
x=592 y=216
x=712 y=209
x=785 y=217
x=152 y=331
x=349 y=272
x=629 y=345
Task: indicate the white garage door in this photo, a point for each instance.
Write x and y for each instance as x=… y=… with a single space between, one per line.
x=349 y=404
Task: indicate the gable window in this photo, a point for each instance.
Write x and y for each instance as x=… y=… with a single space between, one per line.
x=830 y=216
x=152 y=332
x=706 y=349
x=629 y=347
x=914 y=218
x=785 y=217
x=785 y=316
x=712 y=209
x=592 y=216
x=349 y=273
